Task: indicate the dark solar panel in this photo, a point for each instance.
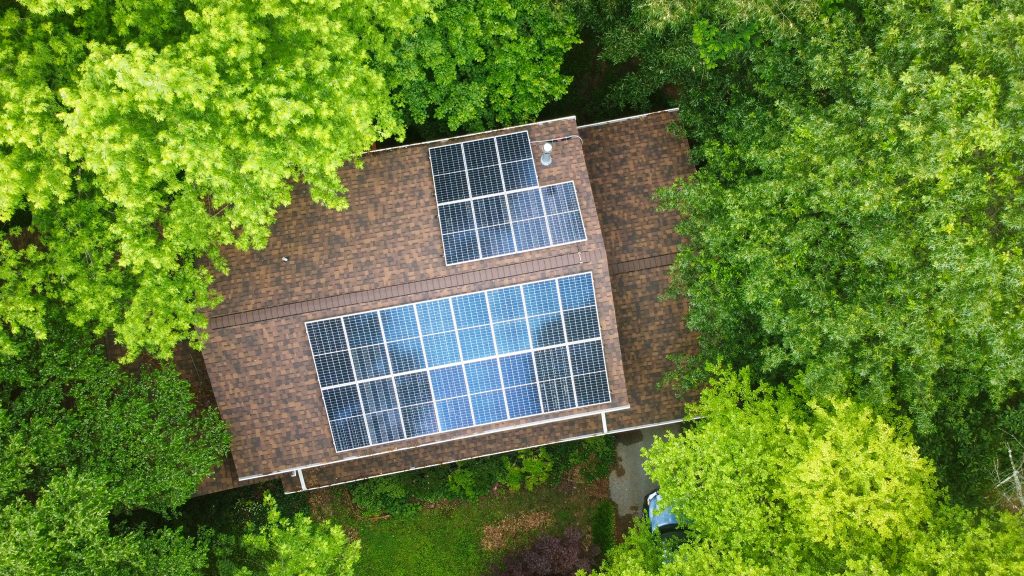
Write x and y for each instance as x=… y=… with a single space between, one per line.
x=500 y=175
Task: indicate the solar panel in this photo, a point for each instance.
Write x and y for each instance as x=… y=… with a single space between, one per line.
x=490 y=204
x=461 y=361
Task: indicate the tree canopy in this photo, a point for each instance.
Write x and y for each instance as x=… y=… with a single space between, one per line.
x=140 y=138
x=772 y=483
x=856 y=216
x=82 y=440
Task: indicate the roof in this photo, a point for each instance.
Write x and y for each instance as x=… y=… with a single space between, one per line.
x=386 y=250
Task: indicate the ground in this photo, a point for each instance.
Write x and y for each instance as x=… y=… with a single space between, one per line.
x=628 y=483
x=465 y=537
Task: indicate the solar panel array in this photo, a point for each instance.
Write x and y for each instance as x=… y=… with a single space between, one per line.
x=489 y=202
x=462 y=361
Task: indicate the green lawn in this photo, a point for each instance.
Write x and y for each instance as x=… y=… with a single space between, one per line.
x=450 y=539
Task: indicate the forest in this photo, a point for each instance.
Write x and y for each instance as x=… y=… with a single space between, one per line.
x=851 y=249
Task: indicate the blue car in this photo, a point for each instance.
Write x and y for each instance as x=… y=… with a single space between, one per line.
x=664 y=522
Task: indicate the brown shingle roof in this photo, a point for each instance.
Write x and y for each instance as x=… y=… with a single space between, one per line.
x=386 y=250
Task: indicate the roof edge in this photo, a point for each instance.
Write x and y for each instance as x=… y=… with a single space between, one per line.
x=436 y=140
x=633 y=117
x=436 y=442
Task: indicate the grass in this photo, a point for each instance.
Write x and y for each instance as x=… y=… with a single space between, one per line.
x=454 y=537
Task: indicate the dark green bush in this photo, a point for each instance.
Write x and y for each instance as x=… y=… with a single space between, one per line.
x=383 y=495
x=602 y=525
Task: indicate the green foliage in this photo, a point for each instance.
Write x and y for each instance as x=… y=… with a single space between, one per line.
x=639 y=554
x=139 y=139
x=595 y=458
x=856 y=217
x=82 y=440
x=66 y=530
x=286 y=547
x=528 y=469
x=602 y=525
x=383 y=495
x=775 y=484
x=65 y=406
x=483 y=63
x=401 y=495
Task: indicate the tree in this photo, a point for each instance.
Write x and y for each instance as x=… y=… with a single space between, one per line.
x=483 y=63
x=287 y=546
x=772 y=483
x=140 y=139
x=66 y=530
x=64 y=406
x=856 y=216
x=83 y=440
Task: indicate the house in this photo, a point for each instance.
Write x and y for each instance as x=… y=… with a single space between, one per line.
x=482 y=294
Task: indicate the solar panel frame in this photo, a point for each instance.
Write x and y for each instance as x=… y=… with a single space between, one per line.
x=475 y=161
x=380 y=400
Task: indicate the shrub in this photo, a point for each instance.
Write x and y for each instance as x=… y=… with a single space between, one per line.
x=383 y=495
x=602 y=525
x=551 y=556
x=531 y=468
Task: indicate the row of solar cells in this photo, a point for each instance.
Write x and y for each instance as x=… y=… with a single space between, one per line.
x=482 y=167
x=508 y=223
x=452 y=330
x=474 y=393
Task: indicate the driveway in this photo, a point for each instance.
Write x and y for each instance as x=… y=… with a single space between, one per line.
x=628 y=483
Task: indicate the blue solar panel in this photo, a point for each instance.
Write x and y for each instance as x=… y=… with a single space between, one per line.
x=419 y=420
x=413 y=388
x=461 y=247
x=511 y=336
x=441 y=349
x=470 y=310
x=447 y=159
x=327 y=336
x=496 y=240
x=476 y=343
x=448 y=382
x=399 y=323
x=483 y=376
x=541 y=297
x=378 y=395
x=505 y=303
x=514 y=146
x=522 y=401
x=349 y=433
x=488 y=407
x=461 y=361
x=454 y=413
x=363 y=330
x=334 y=368
x=484 y=181
x=406 y=355
x=370 y=362
x=521 y=174
x=456 y=217
x=385 y=426
x=481 y=153
x=576 y=291
x=451 y=187
x=342 y=402
x=531 y=234
x=435 y=316
x=566 y=227
x=557 y=395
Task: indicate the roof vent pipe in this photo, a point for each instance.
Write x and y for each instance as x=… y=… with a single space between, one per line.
x=545 y=158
